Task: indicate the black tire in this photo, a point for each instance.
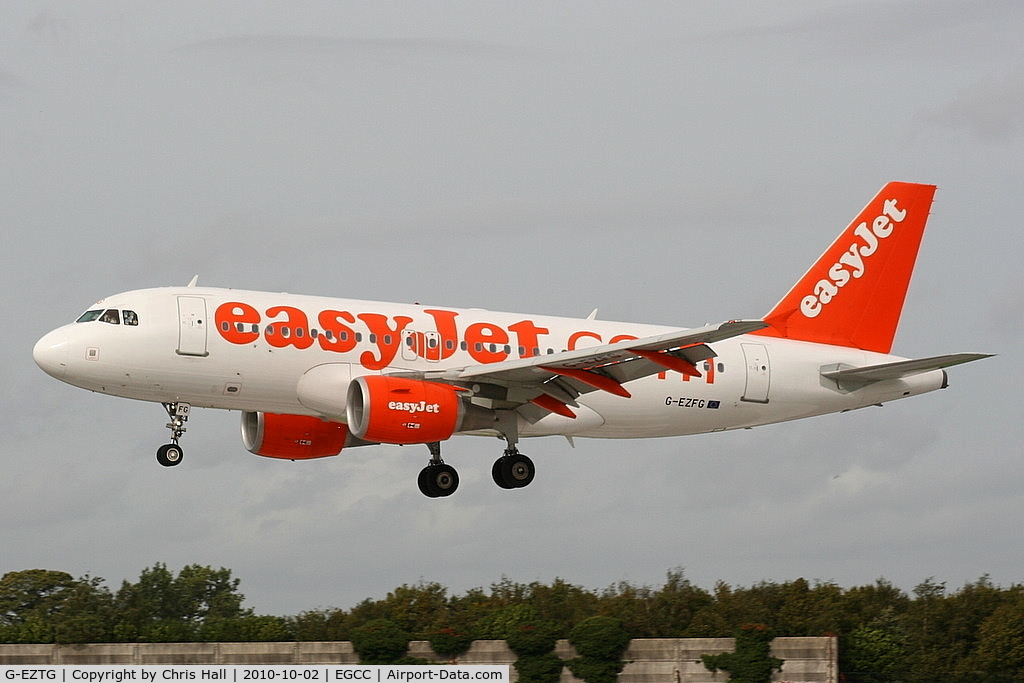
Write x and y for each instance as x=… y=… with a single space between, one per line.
x=169 y=455
x=422 y=482
x=497 y=473
x=513 y=471
x=520 y=470
x=438 y=481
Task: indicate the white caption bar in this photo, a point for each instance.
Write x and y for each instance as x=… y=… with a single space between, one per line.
x=320 y=673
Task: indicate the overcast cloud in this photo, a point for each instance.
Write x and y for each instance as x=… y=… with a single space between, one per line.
x=664 y=162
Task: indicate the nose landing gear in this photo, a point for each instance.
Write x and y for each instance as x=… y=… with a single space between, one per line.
x=170 y=454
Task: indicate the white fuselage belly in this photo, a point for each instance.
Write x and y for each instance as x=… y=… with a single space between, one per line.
x=754 y=380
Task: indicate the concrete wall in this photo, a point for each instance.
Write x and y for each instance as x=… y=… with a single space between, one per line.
x=665 y=660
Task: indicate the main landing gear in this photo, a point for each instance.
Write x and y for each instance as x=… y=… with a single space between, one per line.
x=512 y=470
x=170 y=454
x=437 y=479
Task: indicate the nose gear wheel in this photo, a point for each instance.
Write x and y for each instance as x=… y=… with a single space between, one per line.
x=171 y=454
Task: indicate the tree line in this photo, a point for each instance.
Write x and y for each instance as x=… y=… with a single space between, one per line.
x=975 y=632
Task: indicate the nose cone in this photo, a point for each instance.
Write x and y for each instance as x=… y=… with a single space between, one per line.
x=51 y=353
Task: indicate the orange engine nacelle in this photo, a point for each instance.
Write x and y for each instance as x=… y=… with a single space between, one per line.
x=292 y=437
x=404 y=411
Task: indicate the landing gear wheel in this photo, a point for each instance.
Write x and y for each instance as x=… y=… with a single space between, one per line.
x=438 y=481
x=513 y=471
x=498 y=475
x=169 y=455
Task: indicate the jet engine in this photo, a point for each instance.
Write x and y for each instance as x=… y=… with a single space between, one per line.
x=398 y=410
x=292 y=437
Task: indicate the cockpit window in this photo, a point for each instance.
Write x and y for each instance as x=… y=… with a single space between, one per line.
x=111 y=316
x=89 y=316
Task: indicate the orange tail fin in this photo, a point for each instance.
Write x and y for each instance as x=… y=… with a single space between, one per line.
x=853 y=295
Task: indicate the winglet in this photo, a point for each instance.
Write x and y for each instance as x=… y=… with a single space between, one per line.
x=853 y=295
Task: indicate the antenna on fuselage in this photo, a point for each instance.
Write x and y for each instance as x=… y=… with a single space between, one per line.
x=193 y=281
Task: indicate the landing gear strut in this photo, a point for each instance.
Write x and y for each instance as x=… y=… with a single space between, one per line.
x=170 y=454
x=437 y=479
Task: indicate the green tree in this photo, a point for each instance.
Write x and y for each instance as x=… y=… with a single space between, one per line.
x=246 y=629
x=927 y=624
x=504 y=621
x=44 y=606
x=999 y=655
x=34 y=629
x=449 y=642
x=546 y=668
x=562 y=603
x=465 y=611
x=864 y=604
x=666 y=612
x=874 y=652
x=537 y=638
x=751 y=661
x=142 y=605
x=533 y=644
x=205 y=593
x=314 y=625
x=599 y=642
x=417 y=609
x=380 y=641
x=32 y=593
x=162 y=607
x=806 y=609
x=676 y=604
x=600 y=638
x=86 y=614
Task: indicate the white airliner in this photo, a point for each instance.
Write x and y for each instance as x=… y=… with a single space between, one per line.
x=314 y=375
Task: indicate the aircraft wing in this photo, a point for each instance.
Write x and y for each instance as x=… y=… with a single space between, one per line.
x=552 y=382
x=856 y=377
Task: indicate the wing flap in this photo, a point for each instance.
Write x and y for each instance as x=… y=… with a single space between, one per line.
x=684 y=344
x=688 y=344
x=564 y=376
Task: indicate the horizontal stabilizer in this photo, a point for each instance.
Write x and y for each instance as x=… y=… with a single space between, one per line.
x=899 y=369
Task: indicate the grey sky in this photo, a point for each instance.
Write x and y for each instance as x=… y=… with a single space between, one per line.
x=664 y=162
